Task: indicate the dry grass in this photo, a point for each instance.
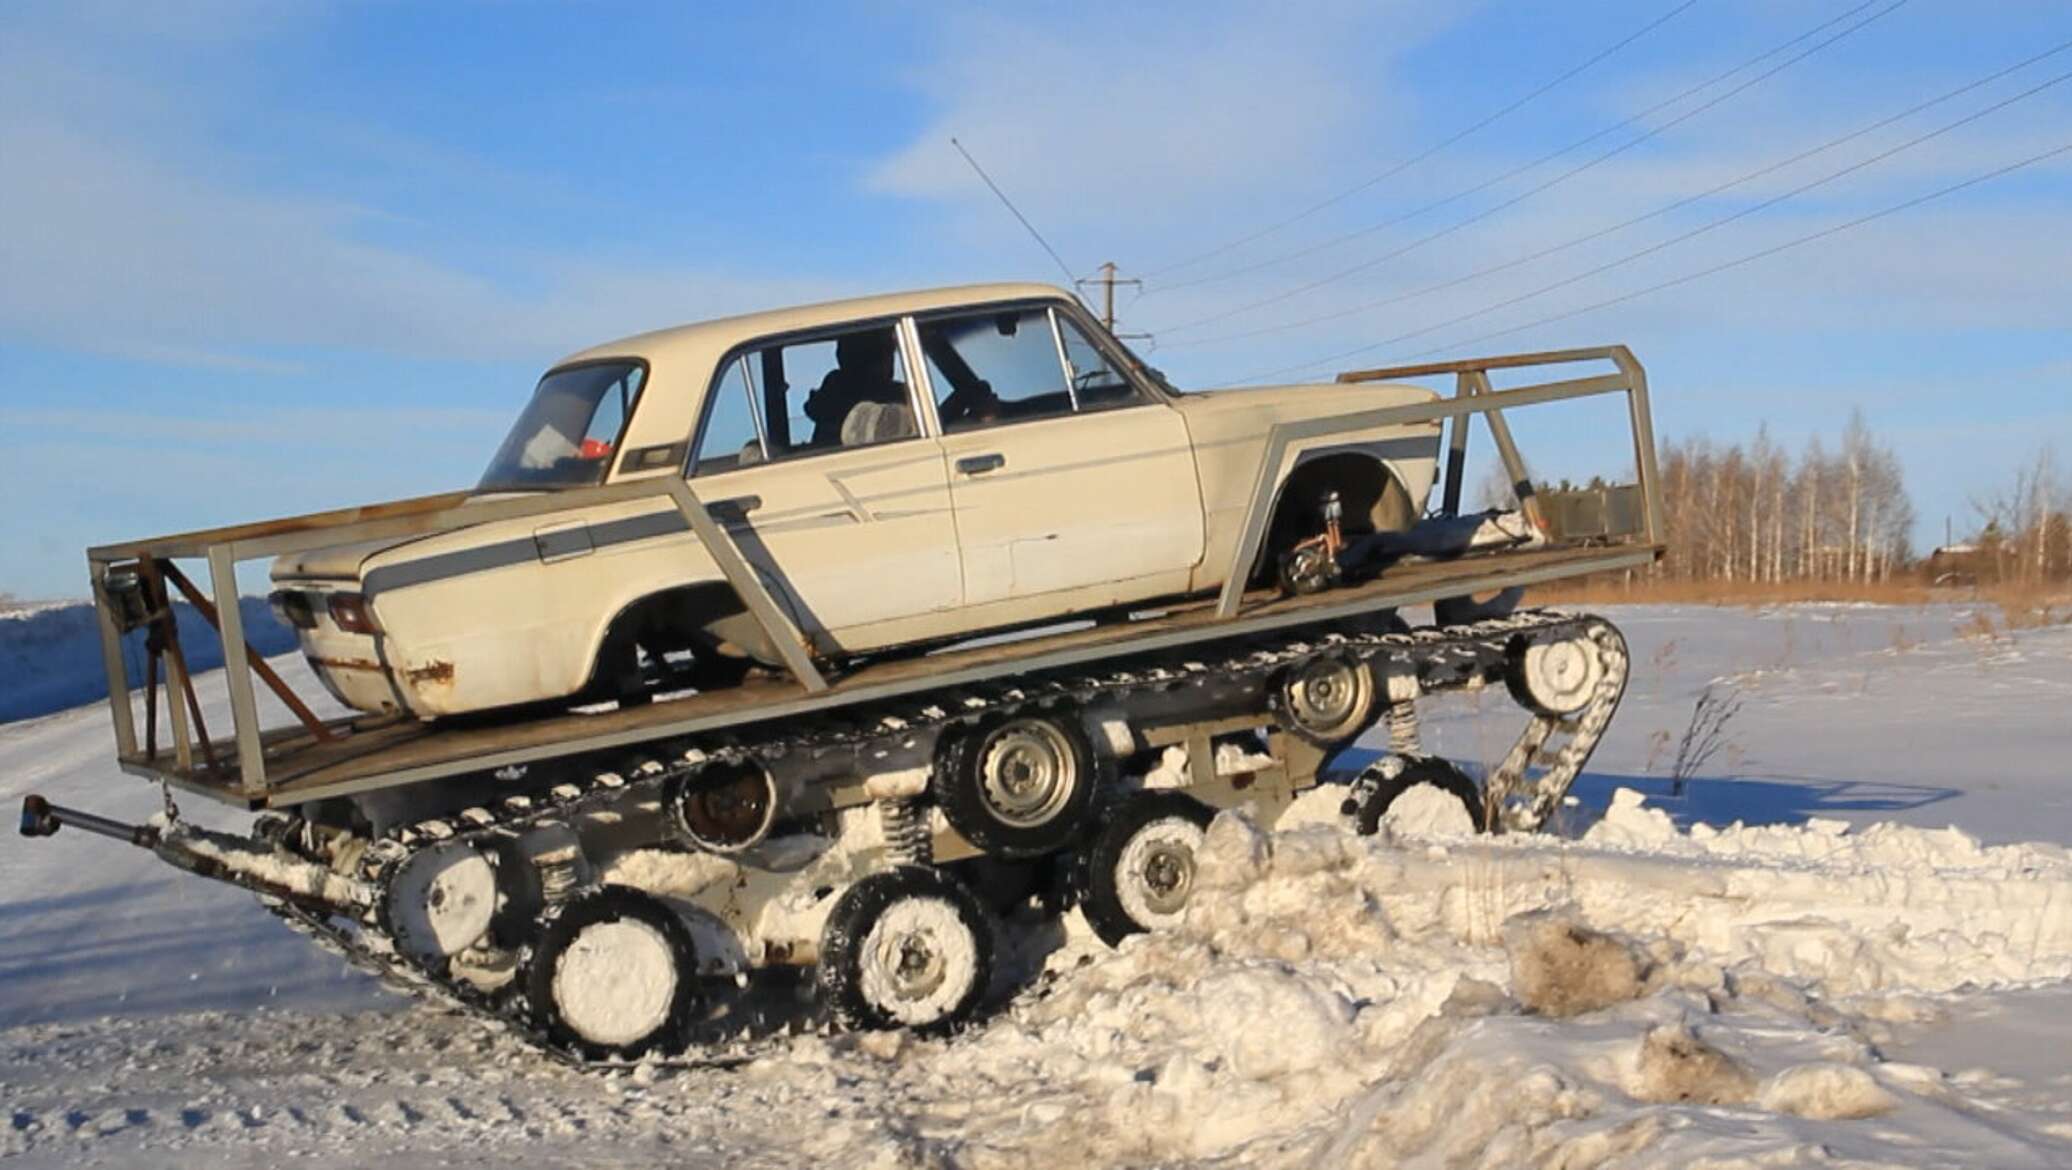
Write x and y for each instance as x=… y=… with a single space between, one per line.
x=1614 y=589
x=2021 y=604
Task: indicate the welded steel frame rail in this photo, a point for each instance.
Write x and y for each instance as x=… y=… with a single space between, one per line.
x=1473 y=395
x=224 y=548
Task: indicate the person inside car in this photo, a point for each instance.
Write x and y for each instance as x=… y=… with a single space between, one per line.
x=863 y=373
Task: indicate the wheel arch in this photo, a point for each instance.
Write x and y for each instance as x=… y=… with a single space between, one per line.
x=1376 y=495
x=692 y=614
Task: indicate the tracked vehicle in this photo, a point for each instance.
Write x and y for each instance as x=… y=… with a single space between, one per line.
x=654 y=717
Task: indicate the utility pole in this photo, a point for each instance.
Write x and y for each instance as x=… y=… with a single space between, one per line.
x=1108 y=280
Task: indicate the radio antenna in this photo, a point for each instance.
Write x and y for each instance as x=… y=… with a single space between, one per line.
x=1016 y=212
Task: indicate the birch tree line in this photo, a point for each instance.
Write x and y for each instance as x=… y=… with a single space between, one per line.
x=1757 y=512
x=2027 y=531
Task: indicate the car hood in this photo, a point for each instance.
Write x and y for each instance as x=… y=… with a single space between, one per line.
x=1265 y=405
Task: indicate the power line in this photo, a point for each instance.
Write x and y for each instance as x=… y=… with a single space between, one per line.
x=1586 y=140
x=1405 y=165
x=1563 y=177
x=1622 y=225
x=1016 y=212
x=1701 y=274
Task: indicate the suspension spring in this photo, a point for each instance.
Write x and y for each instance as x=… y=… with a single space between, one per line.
x=908 y=840
x=1403 y=738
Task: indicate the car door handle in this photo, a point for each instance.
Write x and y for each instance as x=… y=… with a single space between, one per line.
x=980 y=464
x=736 y=509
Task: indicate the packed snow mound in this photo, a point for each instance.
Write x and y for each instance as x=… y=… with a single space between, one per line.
x=50 y=655
x=1444 y=999
x=1327 y=1000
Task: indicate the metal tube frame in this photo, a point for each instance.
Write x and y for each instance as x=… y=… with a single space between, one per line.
x=1472 y=396
x=224 y=548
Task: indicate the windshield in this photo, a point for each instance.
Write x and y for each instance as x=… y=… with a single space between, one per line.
x=569 y=430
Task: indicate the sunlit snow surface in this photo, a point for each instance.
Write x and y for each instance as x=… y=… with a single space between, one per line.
x=1802 y=990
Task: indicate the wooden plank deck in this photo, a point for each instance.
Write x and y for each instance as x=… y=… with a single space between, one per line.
x=383 y=753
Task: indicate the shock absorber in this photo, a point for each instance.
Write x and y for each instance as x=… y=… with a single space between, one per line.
x=1403 y=737
x=908 y=840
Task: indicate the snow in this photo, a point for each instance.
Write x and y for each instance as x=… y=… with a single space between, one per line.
x=1170 y=769
x=1425 y=810
x=615 y=982
x=1840 y=979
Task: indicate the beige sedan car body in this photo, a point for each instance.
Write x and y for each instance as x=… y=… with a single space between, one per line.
x=901 y=471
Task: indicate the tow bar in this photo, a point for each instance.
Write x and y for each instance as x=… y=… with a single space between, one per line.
x=242 y=861
x=41 y=818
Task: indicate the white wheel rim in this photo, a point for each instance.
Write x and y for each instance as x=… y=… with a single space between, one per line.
x=442 y=901
x=1154 y=876
x=919 y=960
x=1328 y=696
x=616 y=981
x=1027 y=774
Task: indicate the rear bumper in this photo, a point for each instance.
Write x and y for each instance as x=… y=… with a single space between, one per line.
x=350 y=666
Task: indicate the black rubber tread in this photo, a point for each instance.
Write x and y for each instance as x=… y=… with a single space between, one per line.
x=955 y=784
x=840 y=968
x=1277 y=701
x=1368 y=810
x=1093 y=871
x=559 y=925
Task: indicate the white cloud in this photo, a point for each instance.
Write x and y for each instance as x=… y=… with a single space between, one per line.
x=1120 y=122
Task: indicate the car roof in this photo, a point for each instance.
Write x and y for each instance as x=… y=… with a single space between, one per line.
x=708 y=337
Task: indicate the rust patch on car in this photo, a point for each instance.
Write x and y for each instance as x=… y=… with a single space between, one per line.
x=431 y=672
x=346 y=664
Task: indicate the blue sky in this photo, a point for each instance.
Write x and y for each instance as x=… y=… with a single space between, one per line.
x=261 y=258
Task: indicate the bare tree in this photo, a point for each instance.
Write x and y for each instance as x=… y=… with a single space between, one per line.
x=1750 y=512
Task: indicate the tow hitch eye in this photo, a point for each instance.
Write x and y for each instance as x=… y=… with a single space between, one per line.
x=36 y=818
x=41 y=818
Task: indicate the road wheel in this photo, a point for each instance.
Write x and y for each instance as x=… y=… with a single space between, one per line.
x=905 y=947
x=1137 y=874
x=1327 y=700
x=1554 y=676
x=613 y=973
x=1018 y=787
x=439 y=902
x=1377 y=788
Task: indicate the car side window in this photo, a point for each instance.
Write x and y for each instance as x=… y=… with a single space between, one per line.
x=1096 y=383
x=994 y=367
x=805 y=397
x=733 y=434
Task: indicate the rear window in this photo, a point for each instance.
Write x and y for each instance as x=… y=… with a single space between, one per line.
x=569 y=431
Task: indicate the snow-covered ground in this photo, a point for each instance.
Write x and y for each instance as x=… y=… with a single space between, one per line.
x=1854 y=984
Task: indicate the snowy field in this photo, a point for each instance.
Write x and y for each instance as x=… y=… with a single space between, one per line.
x=1842 y=980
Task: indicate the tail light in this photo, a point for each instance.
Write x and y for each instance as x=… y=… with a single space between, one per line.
x=293 y=608
x=353 y=614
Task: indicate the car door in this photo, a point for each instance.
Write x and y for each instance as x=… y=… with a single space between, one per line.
x=1064 y=475
x=857 y=531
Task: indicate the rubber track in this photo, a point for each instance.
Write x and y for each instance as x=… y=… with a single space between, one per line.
x=1444 y=658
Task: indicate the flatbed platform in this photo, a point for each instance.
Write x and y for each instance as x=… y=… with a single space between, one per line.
x=368 y=753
